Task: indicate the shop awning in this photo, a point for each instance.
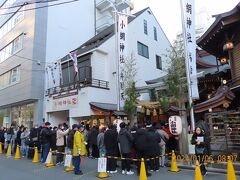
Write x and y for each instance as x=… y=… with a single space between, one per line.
x=223 y=96
x=105 y=107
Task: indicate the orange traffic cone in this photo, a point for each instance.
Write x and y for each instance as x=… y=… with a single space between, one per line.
x=174 y=166
x=50 y=159
x=230 y=171
x=8 y=154
x=143 y=173
x=1 y=145
x=17 y=154
x=35 y=157
x=198 y=174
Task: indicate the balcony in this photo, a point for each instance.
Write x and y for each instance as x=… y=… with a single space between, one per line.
x=103 y=5
x=104 y=22
x=122 y=4
x=84 y=79
x=96 y=83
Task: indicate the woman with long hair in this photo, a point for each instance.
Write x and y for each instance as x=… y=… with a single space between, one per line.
x=199 y=140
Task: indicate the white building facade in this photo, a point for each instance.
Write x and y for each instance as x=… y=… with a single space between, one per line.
x=92 y=94
x=32 y=36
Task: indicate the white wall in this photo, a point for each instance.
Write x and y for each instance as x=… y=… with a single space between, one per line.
x=146 y=68
x=56 y=118
x=69 y=26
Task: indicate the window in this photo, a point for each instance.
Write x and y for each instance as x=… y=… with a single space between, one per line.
x=12 y=48
x=145 y=26
x=155 y=33
x=158 y=62
x=143 y=50
x=11 y=23
x=9 y=78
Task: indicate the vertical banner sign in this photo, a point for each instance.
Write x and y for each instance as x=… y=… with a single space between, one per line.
x=73 y=56
x=122 y=53
x=188 y=9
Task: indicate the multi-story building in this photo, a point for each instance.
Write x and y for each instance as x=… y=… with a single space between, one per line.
x=92 y=95
x=32 y=34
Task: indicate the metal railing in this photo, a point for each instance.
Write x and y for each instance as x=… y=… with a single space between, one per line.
x=96 y=83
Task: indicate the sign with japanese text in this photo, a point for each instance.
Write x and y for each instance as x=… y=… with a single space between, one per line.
x=188 y=9
x=102 y=164
x=65 y=103
x=122 y=53
x=175 y=125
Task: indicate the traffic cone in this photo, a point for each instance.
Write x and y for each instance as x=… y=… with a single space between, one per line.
x=8 y=154
x=102 y=175
x=198 y=174
x=35 y=157
x=17 y=154
x=174 y=166
x=143 y=173
x=50 y=164
x=70 y=168
x=230 y=171
x=1 y=148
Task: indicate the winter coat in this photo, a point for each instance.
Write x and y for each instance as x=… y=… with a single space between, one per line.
x=79 y=147
x=45 y=135
x=141 y=141
x=34 y=135
x=61 y=135
x=164 y=137
x=126 y=141
x=100 y=141
x=24 y=138
x=110 y=141
x=154 y=140
x=18 y=137
x=93 y=136
x=70 y=139
x=2 y=139
x=201 y=148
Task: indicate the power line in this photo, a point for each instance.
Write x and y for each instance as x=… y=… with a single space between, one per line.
x=26 y=3
x=51 y=5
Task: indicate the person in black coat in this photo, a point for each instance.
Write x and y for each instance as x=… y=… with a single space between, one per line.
x=93 y=141
x=125 y=140
x=2 y=139
x=199 y=140
x=18 y=137
x=45 y=138
x=142 y=145
x=154 y=150
x=111 y=145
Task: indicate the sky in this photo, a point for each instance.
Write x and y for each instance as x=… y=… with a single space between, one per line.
x=168 y=12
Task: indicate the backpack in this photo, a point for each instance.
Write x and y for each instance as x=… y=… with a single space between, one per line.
x=70 y=140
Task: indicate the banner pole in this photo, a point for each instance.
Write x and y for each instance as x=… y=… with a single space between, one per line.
x=187 y=69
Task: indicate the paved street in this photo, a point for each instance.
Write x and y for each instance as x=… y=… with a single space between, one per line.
x=25 y=170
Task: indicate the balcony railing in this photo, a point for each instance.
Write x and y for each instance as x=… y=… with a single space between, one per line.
x=78 y=85
x=104 y=22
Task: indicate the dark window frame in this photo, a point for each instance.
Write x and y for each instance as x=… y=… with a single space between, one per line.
x=143 y=50
x=159 y=62
x=145 y=27
x=155 y=33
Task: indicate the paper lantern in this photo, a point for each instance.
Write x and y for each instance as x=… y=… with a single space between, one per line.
x=175 y=125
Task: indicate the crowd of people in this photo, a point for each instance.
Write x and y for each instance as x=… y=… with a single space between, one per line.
x=148 y=141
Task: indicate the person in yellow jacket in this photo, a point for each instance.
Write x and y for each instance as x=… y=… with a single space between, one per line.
x=79 y=148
